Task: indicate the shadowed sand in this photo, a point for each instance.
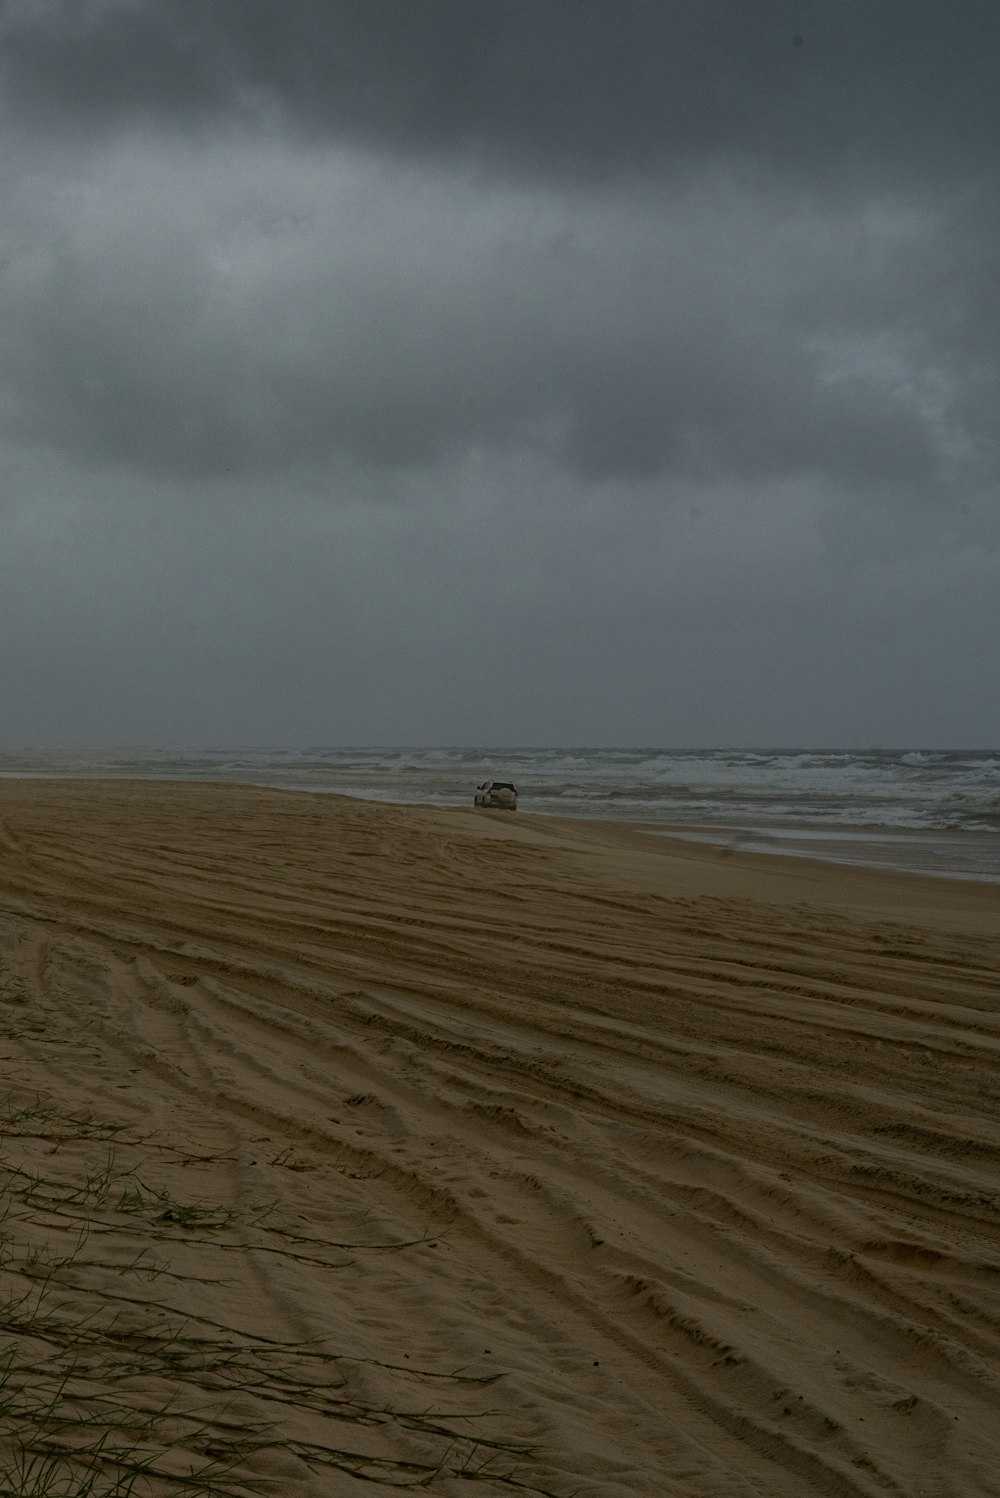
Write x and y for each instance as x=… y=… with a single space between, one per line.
x=499 y=1154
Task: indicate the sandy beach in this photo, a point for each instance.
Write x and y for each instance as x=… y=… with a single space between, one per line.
x=345 y=1143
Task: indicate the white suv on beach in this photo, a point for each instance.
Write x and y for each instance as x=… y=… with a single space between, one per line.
x=500 y=795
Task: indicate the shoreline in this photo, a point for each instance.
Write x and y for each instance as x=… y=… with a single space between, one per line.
x=705 y=868
x=975 y=855
x=897 y=850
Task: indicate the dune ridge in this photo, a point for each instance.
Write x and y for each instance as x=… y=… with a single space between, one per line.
x=494 y=1154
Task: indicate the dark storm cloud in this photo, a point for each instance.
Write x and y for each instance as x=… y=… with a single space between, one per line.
x=499 y=369
x=189 y=313
x=234 y=299
x=874 y=89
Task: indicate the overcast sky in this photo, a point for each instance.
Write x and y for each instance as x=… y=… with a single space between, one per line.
x=500 y=372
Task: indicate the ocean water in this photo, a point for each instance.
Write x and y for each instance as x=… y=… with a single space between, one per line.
x=933 y=810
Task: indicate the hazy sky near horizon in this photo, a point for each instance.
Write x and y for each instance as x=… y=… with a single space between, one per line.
x=499 y=371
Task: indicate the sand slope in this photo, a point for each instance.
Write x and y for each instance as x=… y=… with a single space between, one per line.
x=347 y=1142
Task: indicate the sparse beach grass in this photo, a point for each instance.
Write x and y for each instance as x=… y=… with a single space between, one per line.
x=108 y=1389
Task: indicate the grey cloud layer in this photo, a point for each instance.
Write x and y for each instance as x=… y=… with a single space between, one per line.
x=191 y=312
x=499 y=369
x=565 y=86
x=495 y=608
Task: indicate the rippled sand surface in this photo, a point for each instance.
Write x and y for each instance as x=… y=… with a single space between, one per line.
x=345 y=1142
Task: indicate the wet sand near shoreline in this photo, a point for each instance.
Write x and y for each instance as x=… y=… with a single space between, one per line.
x=953 y=854
x=348 y=1143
